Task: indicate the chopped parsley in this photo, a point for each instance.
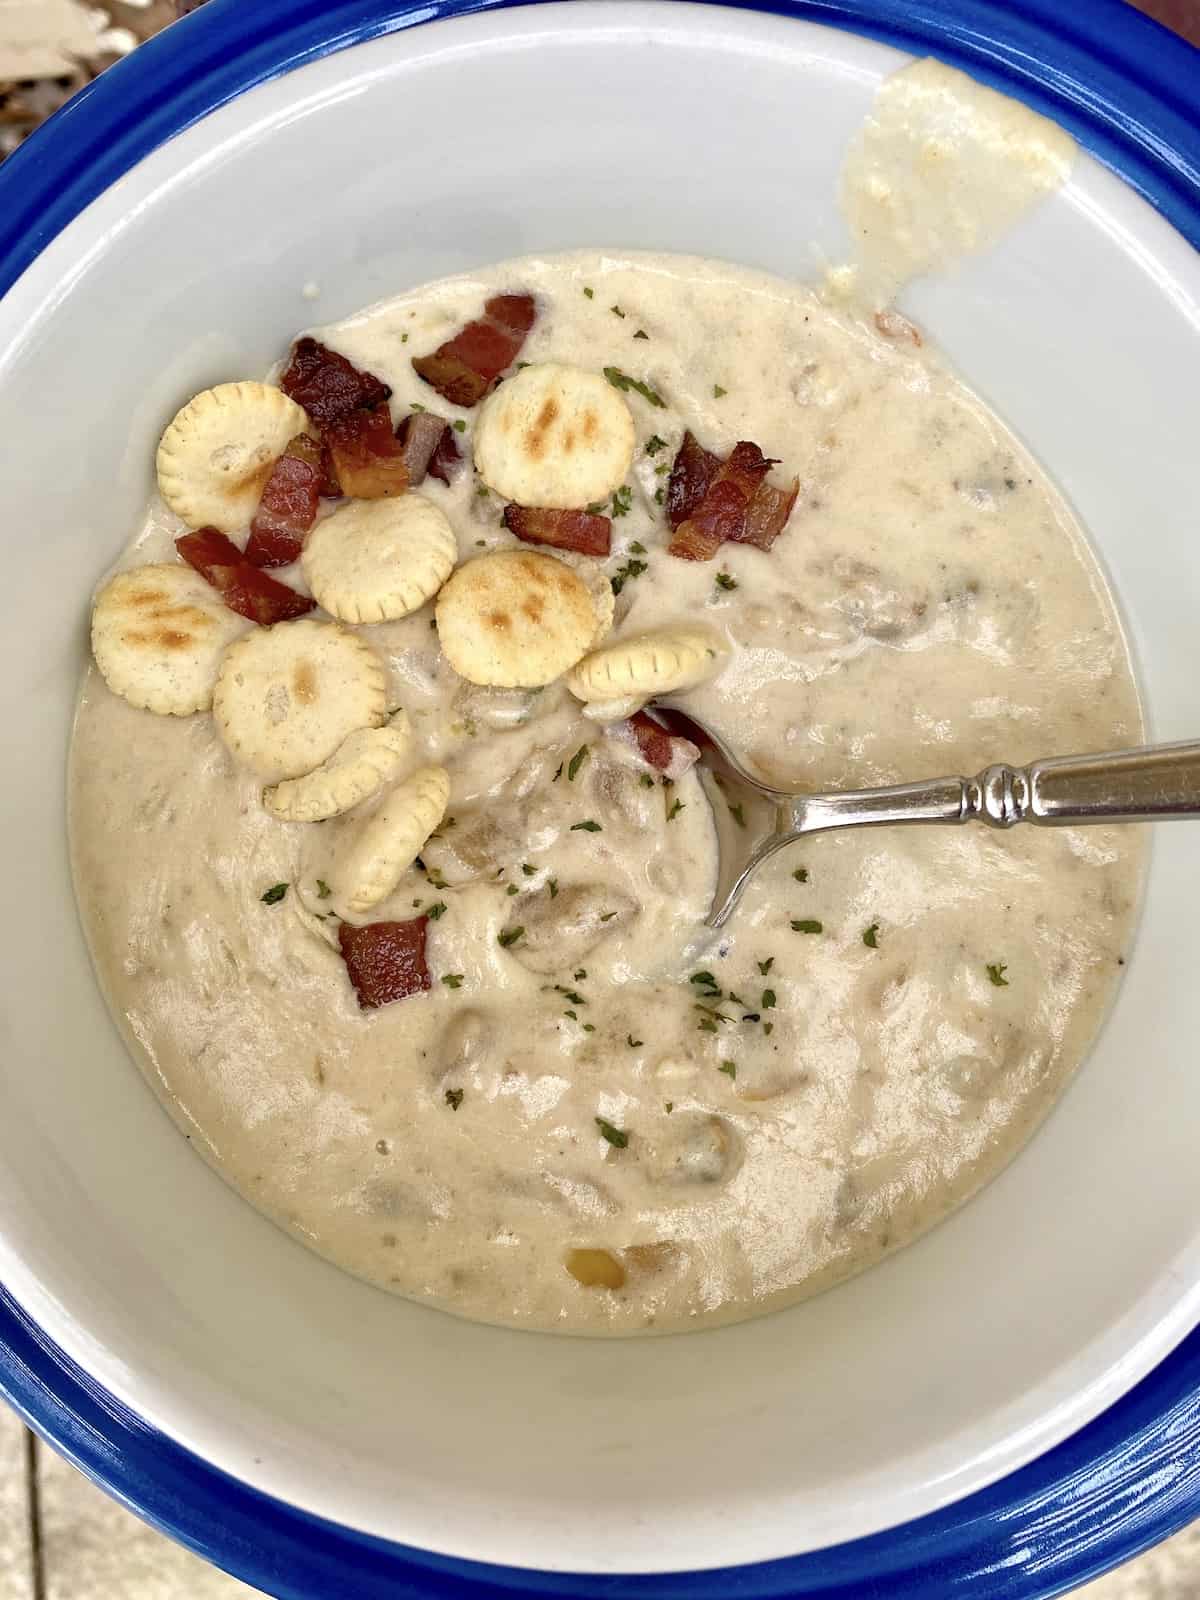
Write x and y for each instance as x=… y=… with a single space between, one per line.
x=807 y=925
x=587 y=826
x=510 y=936
x=571 y=995
x=675 y=810
x=871 y=936
x=729 y=1068
x=460 y=426
x=765 y=966
x=767 y=1003
x=589 y=1027
x=768 y=1027
x=552 y=885
x=558 y=774
x=323 y=889
x=574 y=1015
x=707 y=1025
x=454 y=1098
x=634 y=1044
x=453 y=980
x=641 y=334
x=995 y=969
x=718 y=392
x=607 y=916
x=512 y=889
x=801 y=874
x=705 y=980
x=528 y=869
x=274 y=894
x=615 y=1136
x=617 y=312
x=668 y=1106
x=646 y=781
x=660 y=495
x=580 y=974
x=622 y=501
x=724 y=581
x=435 y=878
x=622 y=380
x=654 y=444
x=637 y=548
x=738 y=815
x=576 y=762
x=631 y=569
x=438 y=909
x=590 y=293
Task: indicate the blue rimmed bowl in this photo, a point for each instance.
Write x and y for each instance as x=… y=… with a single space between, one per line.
x=1005 y=1408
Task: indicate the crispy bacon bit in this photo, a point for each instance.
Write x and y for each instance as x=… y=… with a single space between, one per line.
x=288 y=507
x=367 y=456
x=463 y=368
x=244 y=588
x=329 y=488
x=565 y=530
x=893 y=326
x=385 y=960
x=767 y=514
x=420 y=434
x=327 y=385
x=665 y=752
x=721 y=514
x=691 y=478
x=445 y=461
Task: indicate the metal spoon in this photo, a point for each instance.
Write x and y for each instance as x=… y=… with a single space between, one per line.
x=754 y=820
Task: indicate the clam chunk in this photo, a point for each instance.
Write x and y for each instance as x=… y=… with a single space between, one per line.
x=561 y=930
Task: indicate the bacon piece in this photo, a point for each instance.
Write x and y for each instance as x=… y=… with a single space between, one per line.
x=767 y=514
x=329 y=488
x=327 y=385
x=367 y=456
x=385 y=960
x=244 y=588
x=692 y=474
x=445 y=460
x=288 y=507
x=565 y=530
x=420 y=434
x=721 y=514
x=665 y=752
x=463 y=368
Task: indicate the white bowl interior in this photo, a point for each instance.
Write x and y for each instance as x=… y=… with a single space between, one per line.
x=443 y=148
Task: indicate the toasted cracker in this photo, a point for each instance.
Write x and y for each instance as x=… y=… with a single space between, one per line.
x=158 y=635
x=288 y=696
x=217 y=452
x=668 y=659
x=515 y=619
x=389 y=841
x=359 y=768
x=599 y=586
x=377 y=560
x=554 y=436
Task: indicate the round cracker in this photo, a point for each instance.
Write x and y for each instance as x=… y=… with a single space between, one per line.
x=359 y=768
x=389 y=841
x=287 y=696
x=217 y=452
x=666 y=660
x=554 y=436
x=378 y=560
x=158 y=635
x=515 y=619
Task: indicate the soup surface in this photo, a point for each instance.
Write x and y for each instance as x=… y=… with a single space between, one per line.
x=612 y=1120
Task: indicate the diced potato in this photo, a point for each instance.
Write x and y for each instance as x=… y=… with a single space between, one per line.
x=595 y=1269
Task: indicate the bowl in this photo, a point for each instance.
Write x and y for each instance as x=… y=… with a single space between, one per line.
x=969 y=1414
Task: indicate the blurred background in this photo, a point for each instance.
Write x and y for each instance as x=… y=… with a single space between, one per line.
x=61 y=1538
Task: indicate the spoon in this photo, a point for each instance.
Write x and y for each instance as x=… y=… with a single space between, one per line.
x=754 y=820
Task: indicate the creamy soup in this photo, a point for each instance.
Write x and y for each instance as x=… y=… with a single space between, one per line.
x=602 y=1118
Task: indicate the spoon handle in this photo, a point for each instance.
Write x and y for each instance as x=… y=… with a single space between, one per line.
x=1156 y=781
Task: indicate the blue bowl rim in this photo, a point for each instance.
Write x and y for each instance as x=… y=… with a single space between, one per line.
x=1130 y=93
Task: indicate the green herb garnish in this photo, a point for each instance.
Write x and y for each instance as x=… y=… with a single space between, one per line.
x=454 y=1098
x=871 y=936
x=460 y=426
x=767 y=1003
x=634 y=1044
x=646 y=781
x=591 y=293
x=617 y=312
x=622 y=380
x=527 y=869
x=807 y=925
x=765 y=966
x=438 y=909
x=675 y=810
x=587 y=826
x=637 y=548
x=641 y=334
x=995 y=969
x=724 y=581
x=512 y=889
x=453 y=980
x=577 y=761
x=654 y=444
x=615 y=1136
x=274 y=894
x=509 y=936
x=631 y=569
x=729 y=1068
x=552 y=885
x=718 y=392
x=558 y=774
x=801 y=874
x=323 y=889
x=622 y=501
